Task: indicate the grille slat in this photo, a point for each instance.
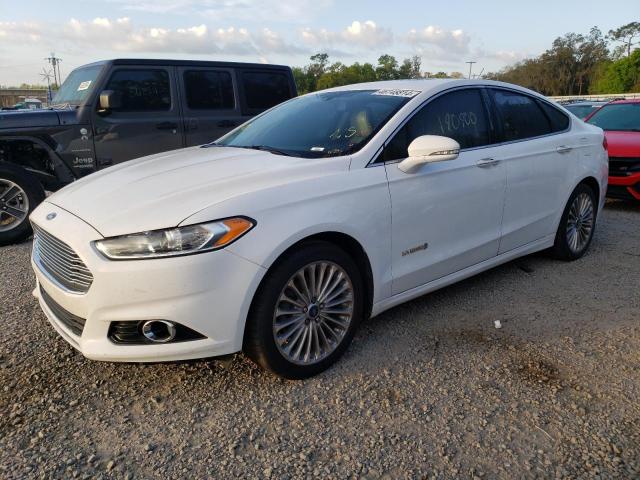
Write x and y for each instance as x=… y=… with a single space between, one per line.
x=60 y=262
x=623 y=166
x=68 y=319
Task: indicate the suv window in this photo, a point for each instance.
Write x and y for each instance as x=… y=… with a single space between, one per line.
x=460 y=115
x=559 y=121
x=141 y=90
x=208 y=90
x=520 y=116
x=264 y=90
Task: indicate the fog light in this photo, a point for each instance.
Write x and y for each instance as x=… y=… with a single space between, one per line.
x=159 y=331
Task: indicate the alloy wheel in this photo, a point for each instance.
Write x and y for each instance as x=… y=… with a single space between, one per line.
x=580 y=222
x=14 y=205
x=313 y=312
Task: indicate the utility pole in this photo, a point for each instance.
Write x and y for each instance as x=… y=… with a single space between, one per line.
x=55 y=63
x=46 y=74
x=470 y=67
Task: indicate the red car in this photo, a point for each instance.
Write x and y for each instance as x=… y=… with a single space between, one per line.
x=620 y=121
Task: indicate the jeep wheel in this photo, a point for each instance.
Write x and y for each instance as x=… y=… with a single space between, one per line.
x=20 y=193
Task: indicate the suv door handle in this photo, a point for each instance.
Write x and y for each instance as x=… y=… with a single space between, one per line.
x=226 y=123
x=167 y=126
x=563 y=149
x=487 y=162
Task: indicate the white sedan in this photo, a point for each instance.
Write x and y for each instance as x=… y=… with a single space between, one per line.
x=282 y=236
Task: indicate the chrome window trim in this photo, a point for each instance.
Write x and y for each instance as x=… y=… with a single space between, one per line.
x=373 y=163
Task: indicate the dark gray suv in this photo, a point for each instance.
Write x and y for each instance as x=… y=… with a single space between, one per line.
x=112 y=111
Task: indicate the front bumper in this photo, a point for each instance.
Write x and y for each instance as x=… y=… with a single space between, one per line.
x=210 y=293
x=627 y=187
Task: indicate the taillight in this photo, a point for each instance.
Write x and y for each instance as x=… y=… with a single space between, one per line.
x=605 y=145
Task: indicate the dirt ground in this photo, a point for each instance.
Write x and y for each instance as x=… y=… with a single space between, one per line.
x=430 y=389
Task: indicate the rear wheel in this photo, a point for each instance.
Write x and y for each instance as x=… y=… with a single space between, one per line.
x=20 y=194
x=306 y=312
x=577 y=224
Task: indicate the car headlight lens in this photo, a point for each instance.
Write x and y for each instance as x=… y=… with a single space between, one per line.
x=175 y=241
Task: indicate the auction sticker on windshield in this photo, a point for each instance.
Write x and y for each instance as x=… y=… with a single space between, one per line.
x=84 y=85
x=393 y=92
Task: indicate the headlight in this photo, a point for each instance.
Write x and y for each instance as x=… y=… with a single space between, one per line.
x=175 y=241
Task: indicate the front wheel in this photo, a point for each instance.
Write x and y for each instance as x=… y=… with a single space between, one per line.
x=306 y=312
x=577 y=224
x=20 y=194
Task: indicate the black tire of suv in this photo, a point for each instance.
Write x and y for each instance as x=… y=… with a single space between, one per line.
x=35 y=195
x=259 y=343
x=561 y=249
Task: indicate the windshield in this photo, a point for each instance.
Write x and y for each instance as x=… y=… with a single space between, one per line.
x=581 y=111
x=77 y=86
x=623 y=117
x=323 y=124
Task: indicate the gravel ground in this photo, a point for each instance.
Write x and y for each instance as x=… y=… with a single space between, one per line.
x=428 y=390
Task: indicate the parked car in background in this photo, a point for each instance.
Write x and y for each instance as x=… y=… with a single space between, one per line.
x=620 y=121
x=112 y=111
x=583 y=109
x=280 y=237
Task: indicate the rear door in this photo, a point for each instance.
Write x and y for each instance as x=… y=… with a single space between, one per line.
x=148 y=120
x=210 y=103
x=539 y=157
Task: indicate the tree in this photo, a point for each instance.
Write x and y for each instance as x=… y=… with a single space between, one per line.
x=618 y=76
x=625 y=35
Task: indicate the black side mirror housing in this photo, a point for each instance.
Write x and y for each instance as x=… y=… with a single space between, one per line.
x=110 y=100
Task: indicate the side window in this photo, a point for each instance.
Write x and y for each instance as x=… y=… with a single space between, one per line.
x=520 y=116
x=460 y=115
x=141 y=90
x=208 y=90
x=559 y=121
x=264 y=90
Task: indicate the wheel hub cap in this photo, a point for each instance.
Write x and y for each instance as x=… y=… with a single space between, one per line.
x=313 y=313
x=14 y=205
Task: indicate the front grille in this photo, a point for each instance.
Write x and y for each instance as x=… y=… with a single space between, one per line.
x=623 y=166
x=60 y=262
x=68 y=319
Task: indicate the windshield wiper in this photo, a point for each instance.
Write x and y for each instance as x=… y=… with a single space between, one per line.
x=267 y=148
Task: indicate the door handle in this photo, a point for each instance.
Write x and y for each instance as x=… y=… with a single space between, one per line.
x=226 y=123
x=487 y=162
x=167 y=126
x=563 y=149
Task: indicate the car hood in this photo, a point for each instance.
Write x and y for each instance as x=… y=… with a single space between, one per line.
x=162 y=190
x=623 y=144
x=28 y=118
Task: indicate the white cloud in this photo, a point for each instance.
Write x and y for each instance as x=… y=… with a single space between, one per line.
x=358 y=35
x=450 y=41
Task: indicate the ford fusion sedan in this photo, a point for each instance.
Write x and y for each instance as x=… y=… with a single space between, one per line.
x=285 y=234
x=620 y=121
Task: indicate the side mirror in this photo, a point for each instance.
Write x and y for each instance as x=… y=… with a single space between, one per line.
x=110 y=100
x=429 y=149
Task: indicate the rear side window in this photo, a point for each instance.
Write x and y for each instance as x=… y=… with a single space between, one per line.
x=520 y=116
x=459 y=115
x=264 y=90
x=558 y=120
x=208 y=90
x=141 y=90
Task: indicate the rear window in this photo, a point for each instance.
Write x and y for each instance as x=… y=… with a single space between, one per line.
x=520 y=116
x=209 y=90
x=264 y=90
x=141 y=90
x=558 y=120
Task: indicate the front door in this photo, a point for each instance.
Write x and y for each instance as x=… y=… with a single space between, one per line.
x=447 y=215
x=147 y=121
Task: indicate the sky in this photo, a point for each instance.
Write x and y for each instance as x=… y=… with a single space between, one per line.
x=445 y=34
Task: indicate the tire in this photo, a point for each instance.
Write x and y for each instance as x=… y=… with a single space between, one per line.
x=269 y=312
x=579 y=216
x=19 y=192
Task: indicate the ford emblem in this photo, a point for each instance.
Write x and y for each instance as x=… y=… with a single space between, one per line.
x=51 y=216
